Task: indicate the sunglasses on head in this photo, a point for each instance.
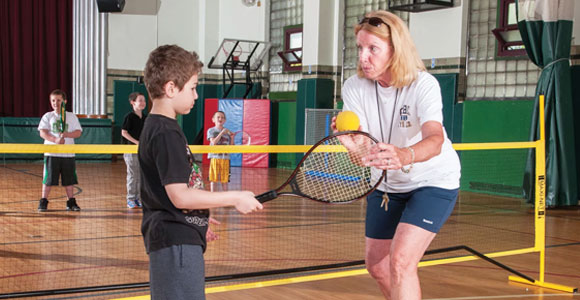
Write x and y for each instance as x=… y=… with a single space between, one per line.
x=374 y=21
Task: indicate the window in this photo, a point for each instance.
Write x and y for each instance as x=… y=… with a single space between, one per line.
x=292 y=54
x=509 y=40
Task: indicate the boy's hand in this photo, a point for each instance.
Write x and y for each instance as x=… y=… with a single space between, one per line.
x=247 y=203
x=211 y=236
x=60 y=139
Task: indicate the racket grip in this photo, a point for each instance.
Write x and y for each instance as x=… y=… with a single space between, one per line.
x=267 y=196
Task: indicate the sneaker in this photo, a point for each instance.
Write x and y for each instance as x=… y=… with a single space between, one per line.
x=138 y=203
x=71 y=204
x=131 y=204
x=42 y=204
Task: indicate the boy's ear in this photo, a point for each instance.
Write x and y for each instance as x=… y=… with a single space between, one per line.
x=170 y=89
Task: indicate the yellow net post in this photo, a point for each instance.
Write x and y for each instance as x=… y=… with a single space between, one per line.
x=540 y=209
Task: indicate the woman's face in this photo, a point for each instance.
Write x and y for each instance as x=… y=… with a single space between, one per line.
x=373 y=53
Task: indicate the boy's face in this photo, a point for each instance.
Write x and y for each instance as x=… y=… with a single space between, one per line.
x=55 y=101
x=185 y=99
x=139 y=103
x=219 y=119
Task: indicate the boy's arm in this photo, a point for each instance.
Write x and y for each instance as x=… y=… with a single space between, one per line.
x=73 y=134
x=183 y=197
x=126 y=135
x=73 y=124
x=216 y=139
x=45 y=134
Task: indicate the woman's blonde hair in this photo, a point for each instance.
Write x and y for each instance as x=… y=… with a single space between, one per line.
x=405 y=62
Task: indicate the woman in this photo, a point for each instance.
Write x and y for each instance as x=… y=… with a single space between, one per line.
x=399 y=103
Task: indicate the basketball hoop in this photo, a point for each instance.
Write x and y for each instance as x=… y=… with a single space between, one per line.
x=238 y=55
x=229 y=48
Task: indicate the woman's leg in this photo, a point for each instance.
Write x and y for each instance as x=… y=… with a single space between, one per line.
x=407 y=249
x=377 y=261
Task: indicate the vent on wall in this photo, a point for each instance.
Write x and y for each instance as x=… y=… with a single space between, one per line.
x=419 y=5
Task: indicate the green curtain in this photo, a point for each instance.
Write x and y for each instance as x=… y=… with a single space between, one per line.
x=546 y=30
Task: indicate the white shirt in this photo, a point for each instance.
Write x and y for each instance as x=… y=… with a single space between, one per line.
x=413 y=105
x=50 y=121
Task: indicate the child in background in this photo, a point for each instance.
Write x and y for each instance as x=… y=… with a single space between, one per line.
x=219 y=168
x=175 y=205
x=56 y=165
x=131 y=130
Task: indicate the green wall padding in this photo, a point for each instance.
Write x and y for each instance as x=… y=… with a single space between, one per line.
x=575 y=71
x=25 y=131
x=457 y=123
x=312 y=93
x=282 y=96
x=20 y=130
x=448 y=84
x=498 y=172
x=284 y=114
x=121 y=106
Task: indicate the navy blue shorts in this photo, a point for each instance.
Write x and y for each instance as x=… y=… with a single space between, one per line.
x=425 y=207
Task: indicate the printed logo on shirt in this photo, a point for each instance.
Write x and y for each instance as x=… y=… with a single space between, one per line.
x=404 y=115
x=57 y=126
x=195 y=220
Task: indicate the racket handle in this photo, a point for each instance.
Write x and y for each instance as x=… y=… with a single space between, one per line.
x=267 y=196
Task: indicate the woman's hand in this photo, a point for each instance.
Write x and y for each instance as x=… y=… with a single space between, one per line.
x=387 y=157
x=333 y=125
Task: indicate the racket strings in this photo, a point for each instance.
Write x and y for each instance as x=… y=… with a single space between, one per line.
x=336 y=176
x=242 y=138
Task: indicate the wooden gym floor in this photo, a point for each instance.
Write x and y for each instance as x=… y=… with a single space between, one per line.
x=102 y=243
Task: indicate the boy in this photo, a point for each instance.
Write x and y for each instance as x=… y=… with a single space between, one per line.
x=219 y=167
x=175 y=206
x=59 y=164
x=131 y=130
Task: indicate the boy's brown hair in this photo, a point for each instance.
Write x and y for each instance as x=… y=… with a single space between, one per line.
x=58 y=92
x=218 y=112
x=133 y=96
x=169 y=63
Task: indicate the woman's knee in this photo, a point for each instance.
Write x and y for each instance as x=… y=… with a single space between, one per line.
x=377 y=270
x=377 y=257
x=401 y=265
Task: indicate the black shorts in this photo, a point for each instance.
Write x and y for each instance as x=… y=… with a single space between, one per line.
x=63 y=166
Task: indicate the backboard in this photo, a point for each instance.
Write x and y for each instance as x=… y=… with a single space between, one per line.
x=236 y=53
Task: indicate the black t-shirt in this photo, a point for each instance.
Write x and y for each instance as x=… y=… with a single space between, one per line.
x=133 y=124
x=165 y=158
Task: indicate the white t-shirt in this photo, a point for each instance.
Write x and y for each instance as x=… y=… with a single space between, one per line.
x=415 y=104
x=51 y=122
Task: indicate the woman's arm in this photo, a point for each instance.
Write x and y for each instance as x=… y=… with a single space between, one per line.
x=390 y=157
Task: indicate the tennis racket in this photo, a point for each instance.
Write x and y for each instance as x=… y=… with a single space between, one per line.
x=62 y=117
x=328 y=173
x=242 y=138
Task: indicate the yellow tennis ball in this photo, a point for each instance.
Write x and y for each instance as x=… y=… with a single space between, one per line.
x=346 y=121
